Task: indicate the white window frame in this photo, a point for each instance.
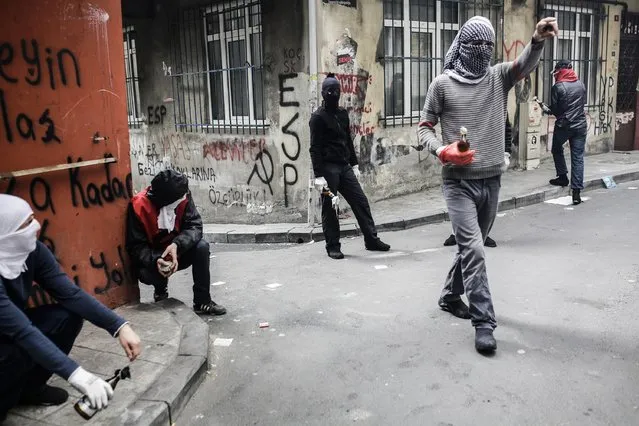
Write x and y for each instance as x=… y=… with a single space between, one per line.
x=409 y=26
x=575 y=35
x=132 y=76
x=224 y=37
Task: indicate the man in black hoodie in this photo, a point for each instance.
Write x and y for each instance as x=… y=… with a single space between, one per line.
x=336 y=169
x=164 y=235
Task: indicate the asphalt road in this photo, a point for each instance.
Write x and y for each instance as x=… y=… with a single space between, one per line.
x=362 y=340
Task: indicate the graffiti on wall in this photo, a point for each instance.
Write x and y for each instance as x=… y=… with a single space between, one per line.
x=54 y=69
x=84 y=193
x=606 y=105
x=291 y=145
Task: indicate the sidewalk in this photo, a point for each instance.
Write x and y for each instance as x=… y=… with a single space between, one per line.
x=519 y=188
x=173 y=362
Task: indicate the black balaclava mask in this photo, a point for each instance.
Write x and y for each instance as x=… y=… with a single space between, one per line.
x=167 y=187
x=331 y=91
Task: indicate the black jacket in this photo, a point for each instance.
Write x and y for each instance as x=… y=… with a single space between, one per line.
x=509 y=135
x=144 y=253
x=568 y=103
x=331 y=141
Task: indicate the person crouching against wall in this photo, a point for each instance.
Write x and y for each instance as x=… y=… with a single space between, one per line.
x=164 y=235
x=35 y=343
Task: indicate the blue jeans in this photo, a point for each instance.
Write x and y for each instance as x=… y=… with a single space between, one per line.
x=577 y=138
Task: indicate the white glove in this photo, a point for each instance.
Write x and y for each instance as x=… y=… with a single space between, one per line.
x=320 y=183
x=357 y=172
x=335 y=202
x=507 y=159
x=97 y=390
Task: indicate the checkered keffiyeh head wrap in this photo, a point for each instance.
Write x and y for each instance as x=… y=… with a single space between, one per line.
x=468 y=62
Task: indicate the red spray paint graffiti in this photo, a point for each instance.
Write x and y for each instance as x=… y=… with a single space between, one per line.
x=234 y=149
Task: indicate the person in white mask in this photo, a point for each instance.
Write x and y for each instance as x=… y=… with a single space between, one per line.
x=164 y=235
x=35 y=343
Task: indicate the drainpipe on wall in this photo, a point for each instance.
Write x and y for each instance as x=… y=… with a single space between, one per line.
x=312 y=86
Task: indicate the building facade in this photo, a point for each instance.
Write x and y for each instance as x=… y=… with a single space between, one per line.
x=223 y=90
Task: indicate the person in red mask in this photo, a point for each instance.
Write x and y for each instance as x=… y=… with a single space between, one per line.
x=164 y=235
x=568 y=103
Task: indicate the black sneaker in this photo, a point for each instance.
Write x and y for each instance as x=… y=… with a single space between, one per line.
x=456 y=307
x=210 y=308
x=576 y=196
x=377 y=245
x=490 y=242
x=335 y=254
x=561 y=180
x=160 y=296
x=45 y=396
x=450 y=241
x=484 y=340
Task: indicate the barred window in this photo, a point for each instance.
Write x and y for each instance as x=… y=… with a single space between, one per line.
x=218 y=79
x=577 y=42
x=134 y=111
x=417 y=35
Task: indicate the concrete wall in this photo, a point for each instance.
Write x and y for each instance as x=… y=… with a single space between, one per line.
x=264 y=178
x=236 y=178
x=62 y=83
x=389 y=164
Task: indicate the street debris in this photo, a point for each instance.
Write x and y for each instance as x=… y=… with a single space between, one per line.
x=521 y=351
x=273 y=286
x=378 y=267
x=564 y=201
x=222 y=342
x=264 y=324
x=609 y=182
x=216 y=283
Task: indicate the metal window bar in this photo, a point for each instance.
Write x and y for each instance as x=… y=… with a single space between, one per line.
x=417 y=35
x=583 y=40
x=134 y=116
x=218 y=78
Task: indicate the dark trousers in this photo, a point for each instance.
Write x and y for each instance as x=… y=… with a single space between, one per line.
x=577 y=139
x=199 y=258
x=341 y=179
x=19 y=374
x=472 y=207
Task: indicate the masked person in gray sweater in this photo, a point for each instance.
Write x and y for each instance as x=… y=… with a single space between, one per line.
x=471 y=94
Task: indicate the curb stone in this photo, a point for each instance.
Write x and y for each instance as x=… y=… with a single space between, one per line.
x=167 y=396
x=305 y=234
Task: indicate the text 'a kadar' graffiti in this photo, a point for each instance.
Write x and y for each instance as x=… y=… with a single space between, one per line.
x=45 y=67
x=87 y=194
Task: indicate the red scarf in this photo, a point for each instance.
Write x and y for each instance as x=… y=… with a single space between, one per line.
x=565 y=75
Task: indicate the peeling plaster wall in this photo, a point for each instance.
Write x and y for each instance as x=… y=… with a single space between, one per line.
x=389 y=164
x=234 y=178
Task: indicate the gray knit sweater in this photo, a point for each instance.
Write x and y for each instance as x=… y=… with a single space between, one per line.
x=481 y=108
